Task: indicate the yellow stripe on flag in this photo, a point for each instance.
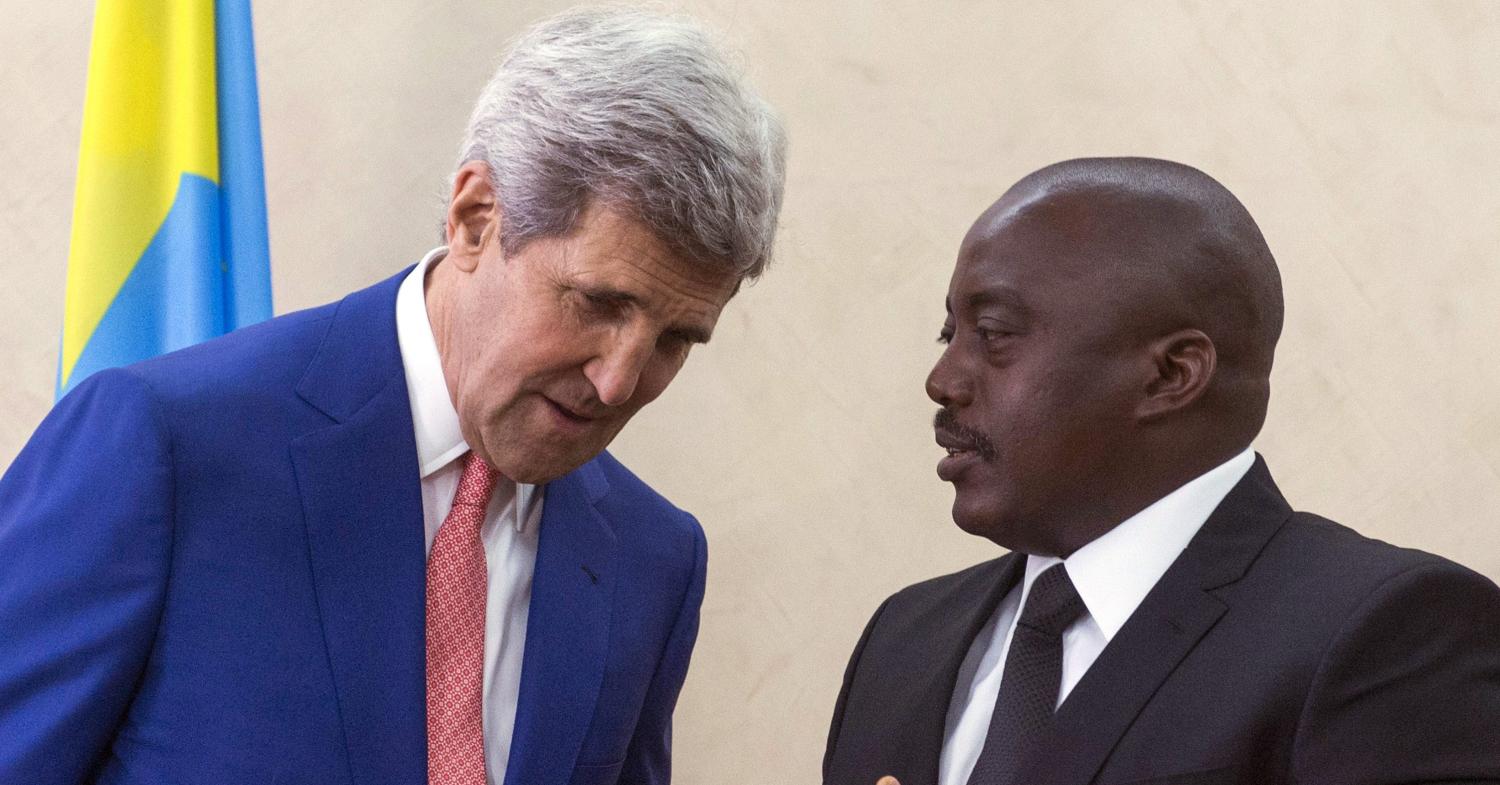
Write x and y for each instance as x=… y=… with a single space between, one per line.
x=148 y=116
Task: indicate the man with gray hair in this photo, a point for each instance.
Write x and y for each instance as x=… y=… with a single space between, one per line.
x=380 y=541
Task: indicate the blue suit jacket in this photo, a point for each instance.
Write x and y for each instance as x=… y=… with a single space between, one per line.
x=212 y=571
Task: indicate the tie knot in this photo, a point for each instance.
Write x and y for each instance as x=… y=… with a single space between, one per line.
x=477 y=483
x=1053 y=603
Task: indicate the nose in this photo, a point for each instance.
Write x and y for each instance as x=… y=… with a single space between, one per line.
x=947 y=383
x=616 y=371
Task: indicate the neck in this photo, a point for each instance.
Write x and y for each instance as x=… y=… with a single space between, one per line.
x=1141 y=483
x=438 y=297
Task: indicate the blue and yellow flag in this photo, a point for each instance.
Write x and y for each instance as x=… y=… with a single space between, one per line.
x=169 y=220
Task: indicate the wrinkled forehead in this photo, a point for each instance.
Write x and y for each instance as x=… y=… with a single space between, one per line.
x=614 y=244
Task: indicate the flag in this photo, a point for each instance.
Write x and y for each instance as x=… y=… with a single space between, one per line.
x=168 y=246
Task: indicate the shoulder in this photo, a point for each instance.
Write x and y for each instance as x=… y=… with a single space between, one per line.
x=1339 y=562
x=1379 y=573
x=1346 y=602
x=964 y=587
x=1410 y=644
x=643 y=518
x=264 y=362
x=941 y=607
x=271 y=354
x=223 y=396
x=114 y=412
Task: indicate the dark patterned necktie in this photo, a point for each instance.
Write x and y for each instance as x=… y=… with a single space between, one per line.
x=1032 y=677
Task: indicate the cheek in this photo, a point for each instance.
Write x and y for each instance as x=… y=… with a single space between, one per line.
x=1080 y=412
x=533 y=363
x=1038 y=419
x=656 y=376
x=496 y=374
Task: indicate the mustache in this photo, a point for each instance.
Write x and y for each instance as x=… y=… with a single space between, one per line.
x=946 y=422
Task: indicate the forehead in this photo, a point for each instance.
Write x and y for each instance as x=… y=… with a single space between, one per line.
x=612 y=250
x=1029 y=256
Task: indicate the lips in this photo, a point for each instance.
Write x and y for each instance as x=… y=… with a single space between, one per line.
x=567 y=415
x=961 y=455
x=953 y=442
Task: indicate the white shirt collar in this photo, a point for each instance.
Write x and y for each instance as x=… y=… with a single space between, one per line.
x=435 y=421
x=1114 y=573
x=439 y=439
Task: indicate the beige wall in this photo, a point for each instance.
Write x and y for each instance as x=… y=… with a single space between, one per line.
x=1364 y=136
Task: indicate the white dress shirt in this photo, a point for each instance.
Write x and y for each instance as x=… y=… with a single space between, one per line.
x=511 y=523
x=1112 y=574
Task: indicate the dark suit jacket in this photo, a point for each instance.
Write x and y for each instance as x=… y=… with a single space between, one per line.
x=1279 y=647
x=212 y=571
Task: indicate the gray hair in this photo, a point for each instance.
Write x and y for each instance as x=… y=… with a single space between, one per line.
x=643 y=113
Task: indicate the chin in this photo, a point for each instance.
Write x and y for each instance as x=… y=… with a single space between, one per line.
x=990 y=521
x=535 y=469
x=539 y=472
x=972 y=521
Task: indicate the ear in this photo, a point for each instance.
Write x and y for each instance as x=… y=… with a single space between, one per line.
x=473 y=220
x=1183 y=364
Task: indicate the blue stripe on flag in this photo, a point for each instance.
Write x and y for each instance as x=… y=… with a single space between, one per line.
x=246 y=256
x=171 y=299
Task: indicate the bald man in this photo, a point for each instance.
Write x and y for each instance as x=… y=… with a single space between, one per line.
x=1164 y=616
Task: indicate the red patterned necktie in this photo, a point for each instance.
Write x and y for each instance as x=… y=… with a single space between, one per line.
x=456 y=587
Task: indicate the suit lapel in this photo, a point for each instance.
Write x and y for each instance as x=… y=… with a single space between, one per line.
x=953 y=635
x=362 y=506
x=898 y=727
x=1171 y=621
x=1174 y=616
x=567 y=631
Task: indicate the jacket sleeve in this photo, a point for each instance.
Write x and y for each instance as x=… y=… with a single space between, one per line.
x=648 y=761
x=1410 y=689
x=85 y=540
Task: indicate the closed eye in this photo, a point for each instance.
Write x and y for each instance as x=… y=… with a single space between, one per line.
x=678 y=340
x=607 y=301
x=613 y=304
x=601 y=304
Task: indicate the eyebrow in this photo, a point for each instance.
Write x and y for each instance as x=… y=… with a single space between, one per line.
x=1003 y=296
